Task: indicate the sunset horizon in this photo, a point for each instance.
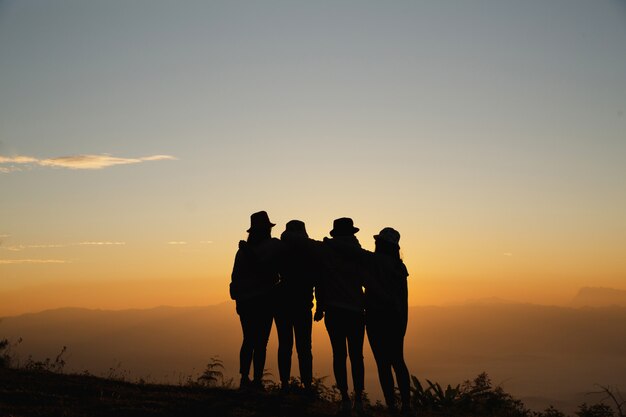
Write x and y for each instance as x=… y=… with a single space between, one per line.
x=482 y=141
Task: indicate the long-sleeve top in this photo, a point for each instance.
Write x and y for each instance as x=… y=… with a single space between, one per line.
x=299 y=272
x=255 y=272
x=343 y=276
x=386 y=286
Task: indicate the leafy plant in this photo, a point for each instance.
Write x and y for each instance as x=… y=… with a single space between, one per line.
x=47 y=365
x=477 y=397
x=213 y=373
x=613 y=394
x=595 y=410
x=116 y=373
x=323 y=391
x=7 y=357
x=549 y=412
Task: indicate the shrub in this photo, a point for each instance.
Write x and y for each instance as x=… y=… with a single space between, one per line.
x=5 y=358
x=477 y=397
x=595 y=410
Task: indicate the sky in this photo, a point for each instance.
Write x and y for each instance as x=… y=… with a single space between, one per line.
x=137 y=137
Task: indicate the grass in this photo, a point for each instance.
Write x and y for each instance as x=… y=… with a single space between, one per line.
x=41 y=388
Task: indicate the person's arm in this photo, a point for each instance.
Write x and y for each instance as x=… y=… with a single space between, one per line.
x=237 y=274
x=317 y=256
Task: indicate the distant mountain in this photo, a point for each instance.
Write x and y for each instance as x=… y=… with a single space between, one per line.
x=599 y=297
x=488 y=301
x=540 y=353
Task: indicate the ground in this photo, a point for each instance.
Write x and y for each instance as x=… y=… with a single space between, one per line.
x=37 y=394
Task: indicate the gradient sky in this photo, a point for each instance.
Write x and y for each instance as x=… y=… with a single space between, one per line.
x=136 y=138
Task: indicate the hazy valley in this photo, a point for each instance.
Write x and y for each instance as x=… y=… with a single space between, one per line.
x=543 y=355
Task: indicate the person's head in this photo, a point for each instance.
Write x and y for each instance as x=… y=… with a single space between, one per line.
x=343 y=226
x=260 y=225
x=295 y=228
x=388 y=241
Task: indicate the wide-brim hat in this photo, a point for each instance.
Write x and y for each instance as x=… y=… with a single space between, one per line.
x=389 y=235
x=343 y=226
x=260 y=220
x=296 y=227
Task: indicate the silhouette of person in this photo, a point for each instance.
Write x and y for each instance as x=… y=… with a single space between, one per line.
x=386 y=316
x=294 y=301
x=254 y=277
x=340 y=302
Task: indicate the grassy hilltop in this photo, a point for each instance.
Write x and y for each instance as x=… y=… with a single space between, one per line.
x=41 y=392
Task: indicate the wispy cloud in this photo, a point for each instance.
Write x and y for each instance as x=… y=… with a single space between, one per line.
x=31 y=261
x=8 y=164
x=177 y=243
x=102 y=243
x=19 y=248
x=17 y=159
x=206 y=242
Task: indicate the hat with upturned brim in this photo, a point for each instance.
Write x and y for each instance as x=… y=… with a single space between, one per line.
x=389 y=235
x=296 y=227
x=260 y=220
x=343 y=226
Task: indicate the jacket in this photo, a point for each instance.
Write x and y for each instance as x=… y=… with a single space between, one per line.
x=255 y=272
x=343 y=274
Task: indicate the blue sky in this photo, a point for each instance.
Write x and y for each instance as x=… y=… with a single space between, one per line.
x=465 y=124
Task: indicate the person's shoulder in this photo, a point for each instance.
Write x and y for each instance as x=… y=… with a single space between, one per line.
x=273 y=244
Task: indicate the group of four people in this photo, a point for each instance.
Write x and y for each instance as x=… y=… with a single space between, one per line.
x=355 y=289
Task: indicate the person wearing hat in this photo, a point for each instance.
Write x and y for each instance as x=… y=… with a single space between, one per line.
x=254 y=277
x=386 y=316
x=340 y=302
x=294 y=301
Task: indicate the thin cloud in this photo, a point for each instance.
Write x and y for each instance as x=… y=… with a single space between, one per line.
x=206 y=242
x=177 y=243
x=97 y=161
x=87 y=161
x=17 y=159
x=102 y=243
x=31 y=261
x=19 y=248
x=9 y=169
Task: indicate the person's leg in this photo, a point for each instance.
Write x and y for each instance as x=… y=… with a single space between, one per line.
x=264 y=319
x=247 y=346
x=399 y=365
x=379 y=341
x=333 y=322
x=303 y=326
x=284 y=328
x=355 y=329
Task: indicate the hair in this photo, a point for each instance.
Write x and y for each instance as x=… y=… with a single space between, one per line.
x=259 y=234
x=387 y=248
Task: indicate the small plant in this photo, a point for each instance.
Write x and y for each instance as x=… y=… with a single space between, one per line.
x=595 y=410
x=615 y=396
x=7 y=357
x=324 y=392
x=116 y=373
x=213 y=373
x=47 y=365
x=549 y=412
x=476 y=397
